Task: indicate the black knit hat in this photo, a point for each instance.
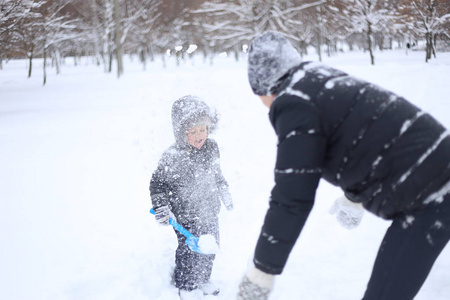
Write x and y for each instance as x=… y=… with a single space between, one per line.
x=270 y=57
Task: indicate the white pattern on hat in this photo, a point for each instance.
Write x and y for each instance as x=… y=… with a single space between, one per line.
x=270 y=57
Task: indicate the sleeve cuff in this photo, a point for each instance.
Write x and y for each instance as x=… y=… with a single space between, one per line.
x=260 y=278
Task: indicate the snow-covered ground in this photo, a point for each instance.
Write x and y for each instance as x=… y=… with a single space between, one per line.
x=76 y=158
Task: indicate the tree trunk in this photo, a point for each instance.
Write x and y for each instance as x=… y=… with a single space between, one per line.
x=57 y=61
x=143 y=58
x=329 y=48
x=118 y=37
x=30 y=64
x=433 y=46
x=319 y=45
x=45 y=66
x=381 y=43
x=319 y=48
x=151 y=52
x=369 y=42
x=427 y=47
x=205 y=54
x=96 y=23
x=110 y=62
x=319 y=32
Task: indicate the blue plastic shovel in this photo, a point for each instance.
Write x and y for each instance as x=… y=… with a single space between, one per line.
x=191 y=240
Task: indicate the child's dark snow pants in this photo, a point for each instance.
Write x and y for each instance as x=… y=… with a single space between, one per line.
x=193 y=269
x=408 y=251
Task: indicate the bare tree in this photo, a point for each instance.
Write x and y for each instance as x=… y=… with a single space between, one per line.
x=54 y=28
x=118 y=37
x=108 y=29
x=237 y=23
x=96 y=29
x=427 y=18
x=104 y=14
x=26 y=31
x=124 y=15
x=12 y=13
x=146 y=29
x=368 y=17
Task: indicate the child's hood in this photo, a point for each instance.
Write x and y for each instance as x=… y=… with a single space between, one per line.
x=189 y=111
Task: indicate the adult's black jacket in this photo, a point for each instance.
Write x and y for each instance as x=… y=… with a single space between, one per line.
x=380 y=149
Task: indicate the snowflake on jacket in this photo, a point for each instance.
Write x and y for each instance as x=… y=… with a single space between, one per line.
x=190 y=182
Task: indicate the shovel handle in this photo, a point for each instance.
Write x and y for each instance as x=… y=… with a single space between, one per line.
x=178 y=227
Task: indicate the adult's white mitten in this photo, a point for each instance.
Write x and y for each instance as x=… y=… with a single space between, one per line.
x=256 y=285
x=348 y=213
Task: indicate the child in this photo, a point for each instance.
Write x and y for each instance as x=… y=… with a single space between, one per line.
x=384 y=153
x=188 y=186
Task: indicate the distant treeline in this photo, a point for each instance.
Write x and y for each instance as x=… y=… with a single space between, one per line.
x=108 y=29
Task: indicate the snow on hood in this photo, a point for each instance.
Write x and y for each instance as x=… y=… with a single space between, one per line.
x=189 y=111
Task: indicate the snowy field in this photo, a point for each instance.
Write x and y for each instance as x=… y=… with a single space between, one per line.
x=76 y=158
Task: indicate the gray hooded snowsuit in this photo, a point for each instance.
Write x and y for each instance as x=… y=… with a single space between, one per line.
x=190 y=182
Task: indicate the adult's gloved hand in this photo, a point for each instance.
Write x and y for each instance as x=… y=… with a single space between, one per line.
x=162 y=215
x=256 y=285
x=348 y=213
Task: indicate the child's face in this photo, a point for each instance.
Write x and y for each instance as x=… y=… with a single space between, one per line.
x=197 y=135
